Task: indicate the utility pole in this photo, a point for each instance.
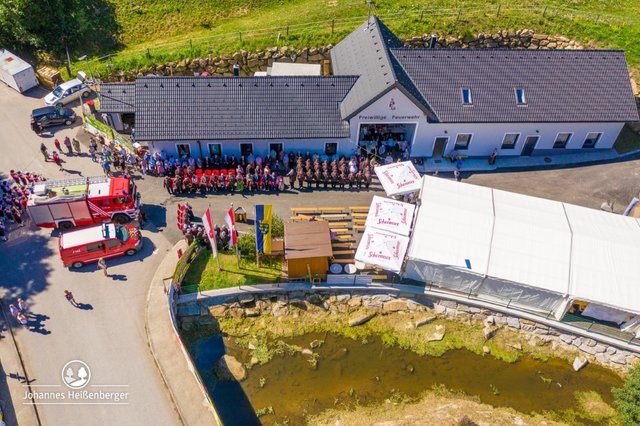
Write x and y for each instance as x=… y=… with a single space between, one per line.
x=68 y=60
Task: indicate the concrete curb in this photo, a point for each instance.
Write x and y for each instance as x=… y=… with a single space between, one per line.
x=166 y=349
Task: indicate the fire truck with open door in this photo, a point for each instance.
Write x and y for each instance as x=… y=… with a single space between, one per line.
x=83 y=201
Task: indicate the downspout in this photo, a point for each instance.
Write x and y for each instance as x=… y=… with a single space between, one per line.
x=200 y=148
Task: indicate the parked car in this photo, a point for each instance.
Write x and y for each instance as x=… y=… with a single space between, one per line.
x=68 y=91
x=77 y=248
x=51 y=116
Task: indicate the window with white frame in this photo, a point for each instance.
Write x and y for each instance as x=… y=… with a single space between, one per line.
x=520 y=98
x=562 y=140
x=591 y=140
x=463 y=140
x=510 y=140
x=466 y=96
x=215 y=149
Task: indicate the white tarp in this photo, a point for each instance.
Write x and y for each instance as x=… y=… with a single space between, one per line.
x=383 y=249
x=399 y=178
x=604 y=313
x=534 y=252
x=452 y=234
x=390 y=215
x=605 y=258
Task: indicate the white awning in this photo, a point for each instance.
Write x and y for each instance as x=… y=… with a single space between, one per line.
x=383 y=249
x=390 y=215
x=399 y=178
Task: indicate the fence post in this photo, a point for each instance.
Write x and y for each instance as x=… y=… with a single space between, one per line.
x=287 y=31
x=421 y=15
x=191 y=46
x=240 y=35
x=498 y=12
x=148 y=53
x=544 y=11
x=333 y=23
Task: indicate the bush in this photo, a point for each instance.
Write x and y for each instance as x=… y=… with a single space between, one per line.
x=277 y=227
x=247 y=245
x=627 y=398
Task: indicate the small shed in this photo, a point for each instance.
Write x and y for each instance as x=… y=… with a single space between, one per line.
x=307 y=248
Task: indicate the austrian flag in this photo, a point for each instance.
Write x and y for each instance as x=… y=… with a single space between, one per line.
x=231 y=224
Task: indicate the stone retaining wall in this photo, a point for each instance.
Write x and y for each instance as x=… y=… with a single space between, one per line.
x=249 y=62
x=343 y=302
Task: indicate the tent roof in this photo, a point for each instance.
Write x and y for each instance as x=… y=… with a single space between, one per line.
x=304 y=240
x=585 y=253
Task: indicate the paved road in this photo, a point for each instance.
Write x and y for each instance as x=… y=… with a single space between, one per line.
x=109 y=334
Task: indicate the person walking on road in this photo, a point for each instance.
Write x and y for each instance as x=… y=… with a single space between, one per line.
x=69 y=296
x=57 y=144
x=76 y=145
x=103 y=265
x=57 y=159
x=14 y=311
x=43 y=150
x=67 y=143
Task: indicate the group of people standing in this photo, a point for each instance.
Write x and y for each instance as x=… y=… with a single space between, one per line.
x=20 y=312
x=14 y=195
x=309 y=170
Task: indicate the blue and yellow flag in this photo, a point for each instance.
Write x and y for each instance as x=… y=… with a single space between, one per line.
x=263 y=228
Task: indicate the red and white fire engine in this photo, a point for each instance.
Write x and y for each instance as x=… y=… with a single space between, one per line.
x=83 y=201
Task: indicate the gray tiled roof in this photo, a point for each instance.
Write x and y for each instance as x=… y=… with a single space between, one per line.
x=365 y=53
x=117 y=97
x=187 y=108
x=559 y=85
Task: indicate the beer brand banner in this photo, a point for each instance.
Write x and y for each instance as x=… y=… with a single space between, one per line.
x=263 y=228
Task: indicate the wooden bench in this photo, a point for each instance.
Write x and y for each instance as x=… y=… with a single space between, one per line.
x=305 y=209
x=340 y=230
x=342 y=245
x=339 y=224
x=341 y=252
x=359 y=228
x=359 y=215
x=359 y=221
x=331 y=209
x=345 y=237
x=302 y=217
x=330 y=217
x=359 y=209
x=347 y=261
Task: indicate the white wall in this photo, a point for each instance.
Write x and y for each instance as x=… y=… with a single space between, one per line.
x=381 y=112
x=486 y=137
x=232 y=147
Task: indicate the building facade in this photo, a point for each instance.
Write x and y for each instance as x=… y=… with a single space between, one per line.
x=424 y=103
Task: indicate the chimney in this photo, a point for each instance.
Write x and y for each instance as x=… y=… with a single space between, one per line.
x=432 y=42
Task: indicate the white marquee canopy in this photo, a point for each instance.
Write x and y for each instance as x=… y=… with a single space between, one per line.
x=390 y=215
x=399 y=178
x=531 y=251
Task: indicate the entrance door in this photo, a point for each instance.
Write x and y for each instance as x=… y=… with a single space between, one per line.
x=439 y=146
x=529 y=145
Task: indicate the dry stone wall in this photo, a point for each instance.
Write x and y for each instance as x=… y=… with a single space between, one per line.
x=250 y=62
x=280 y=304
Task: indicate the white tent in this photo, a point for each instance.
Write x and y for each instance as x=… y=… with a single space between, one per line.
x=526 y=251
x=452 y=235
x=383 y=249
x=399 y=178
x=390 y=215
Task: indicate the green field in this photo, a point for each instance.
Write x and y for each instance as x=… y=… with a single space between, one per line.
x=155 y=31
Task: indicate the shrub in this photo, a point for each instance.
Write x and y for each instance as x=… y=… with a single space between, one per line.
x=277 y=227
x=627 y=398
x=247 y=245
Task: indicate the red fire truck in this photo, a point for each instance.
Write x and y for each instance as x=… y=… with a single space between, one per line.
x=83 y=201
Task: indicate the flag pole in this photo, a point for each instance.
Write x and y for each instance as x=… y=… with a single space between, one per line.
x=234 y=233
x=215 y=242
x=256 y=224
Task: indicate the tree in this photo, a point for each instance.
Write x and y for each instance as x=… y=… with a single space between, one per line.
x=627 y=398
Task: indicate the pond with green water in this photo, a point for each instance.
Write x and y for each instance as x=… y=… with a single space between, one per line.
x=343 y=372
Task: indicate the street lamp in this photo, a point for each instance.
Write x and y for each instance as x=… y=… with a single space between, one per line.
x=85 y=58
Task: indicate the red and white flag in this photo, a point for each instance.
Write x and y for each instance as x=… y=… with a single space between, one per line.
x=208 y=227
x=231 y=224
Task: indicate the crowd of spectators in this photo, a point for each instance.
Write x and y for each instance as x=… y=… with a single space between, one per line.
x=14 y=195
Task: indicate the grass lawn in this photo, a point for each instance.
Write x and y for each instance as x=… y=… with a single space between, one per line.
x=173 y=29
x=204 y=271
x=628 y=140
